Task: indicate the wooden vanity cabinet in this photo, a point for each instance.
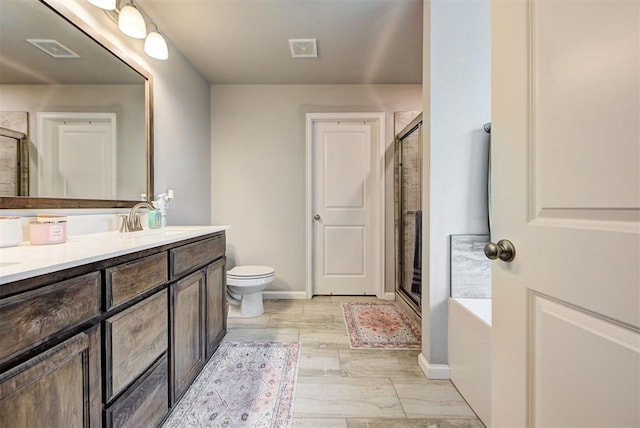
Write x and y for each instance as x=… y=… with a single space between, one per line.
x=113 y=343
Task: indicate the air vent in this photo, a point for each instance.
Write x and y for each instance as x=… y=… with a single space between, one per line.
x=303 y=48
x=53 y=48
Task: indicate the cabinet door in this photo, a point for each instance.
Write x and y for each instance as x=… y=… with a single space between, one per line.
x=58 y=388
x=187 y=332
x=216 y=305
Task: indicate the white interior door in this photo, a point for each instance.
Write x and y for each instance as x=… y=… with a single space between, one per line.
x=566 y=192
x=86 y=161
x=78 y=155
x=345 y=197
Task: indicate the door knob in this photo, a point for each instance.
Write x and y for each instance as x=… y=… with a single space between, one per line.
x=504 y=250
x=317 y=216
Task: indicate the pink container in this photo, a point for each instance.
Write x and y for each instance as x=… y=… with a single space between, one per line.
x=48 y=230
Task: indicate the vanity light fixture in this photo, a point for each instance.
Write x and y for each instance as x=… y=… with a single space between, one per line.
x=156 y=46
x=104 y=4
x=131 y=22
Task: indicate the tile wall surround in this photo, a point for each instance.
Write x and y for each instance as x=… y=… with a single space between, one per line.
x=470 y=269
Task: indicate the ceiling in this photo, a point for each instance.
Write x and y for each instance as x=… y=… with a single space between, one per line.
x=246 y=41
x=22 y=63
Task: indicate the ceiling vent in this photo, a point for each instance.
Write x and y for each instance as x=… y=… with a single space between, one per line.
x=303 y=48
x=53 y=48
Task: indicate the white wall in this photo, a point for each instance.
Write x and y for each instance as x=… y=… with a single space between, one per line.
x=181 y=119
x=459 y=58
x=258 y=162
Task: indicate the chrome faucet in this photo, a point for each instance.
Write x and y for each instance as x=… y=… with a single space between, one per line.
x=132 y=222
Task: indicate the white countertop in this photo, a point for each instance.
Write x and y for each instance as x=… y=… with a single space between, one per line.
x=26 y=260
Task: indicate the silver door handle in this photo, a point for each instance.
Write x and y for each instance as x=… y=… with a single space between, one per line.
x=504 y=250
x=317 y=217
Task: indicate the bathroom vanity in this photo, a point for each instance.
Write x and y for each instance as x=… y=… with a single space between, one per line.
x=108 y=329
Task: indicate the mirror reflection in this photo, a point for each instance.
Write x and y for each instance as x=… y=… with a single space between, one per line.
x=72 y=115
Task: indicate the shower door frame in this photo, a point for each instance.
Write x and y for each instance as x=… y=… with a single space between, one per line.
x=414 y=126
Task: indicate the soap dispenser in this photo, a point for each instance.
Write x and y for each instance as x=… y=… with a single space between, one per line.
x=161 y=205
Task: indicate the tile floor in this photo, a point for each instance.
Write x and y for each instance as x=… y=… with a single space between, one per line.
x=341 y=387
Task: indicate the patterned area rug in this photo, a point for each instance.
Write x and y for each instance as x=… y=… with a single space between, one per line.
x=245 y=384
x=379 y=326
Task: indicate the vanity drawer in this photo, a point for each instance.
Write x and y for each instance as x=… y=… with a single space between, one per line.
x=31 y=318
x=132 y=279
x=134 y=339
x=145 y=404
x=184 y=258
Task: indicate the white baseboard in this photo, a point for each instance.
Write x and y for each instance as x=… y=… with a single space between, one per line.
x=297 y=295
x=284 y=295
x=434 y=371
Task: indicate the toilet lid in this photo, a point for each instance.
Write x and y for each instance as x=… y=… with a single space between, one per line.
x=251 y=272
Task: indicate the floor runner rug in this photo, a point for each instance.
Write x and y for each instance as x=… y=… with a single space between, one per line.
x=379 y=326
x=244 y=384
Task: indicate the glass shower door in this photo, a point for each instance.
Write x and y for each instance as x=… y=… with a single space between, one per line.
x=409 y=213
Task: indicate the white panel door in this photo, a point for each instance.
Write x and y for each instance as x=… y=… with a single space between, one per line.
x=86 y=161
x=566 y=192
x=344 y=208
x=77 y=155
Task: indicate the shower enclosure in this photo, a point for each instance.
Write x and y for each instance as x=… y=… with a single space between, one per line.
x=14 y=163
x=408 y=215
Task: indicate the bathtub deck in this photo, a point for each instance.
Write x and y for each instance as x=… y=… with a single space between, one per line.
x=470 y=352
x=479 y=307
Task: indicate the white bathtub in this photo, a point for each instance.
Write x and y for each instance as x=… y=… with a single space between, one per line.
x=470 y=352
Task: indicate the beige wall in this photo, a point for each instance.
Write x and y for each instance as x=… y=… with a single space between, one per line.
x=258 y=167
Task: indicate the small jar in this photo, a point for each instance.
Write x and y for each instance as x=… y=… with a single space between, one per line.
x=48 y=230
x=10 y=231
x=154 y=219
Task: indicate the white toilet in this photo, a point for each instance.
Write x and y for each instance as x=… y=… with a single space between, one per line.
x=244 y=289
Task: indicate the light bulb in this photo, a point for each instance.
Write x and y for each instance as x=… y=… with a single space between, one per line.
x=156 y=46
x=104 y=4
x=131 y=22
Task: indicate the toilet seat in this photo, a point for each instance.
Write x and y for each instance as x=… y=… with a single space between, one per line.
x=250 y=272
